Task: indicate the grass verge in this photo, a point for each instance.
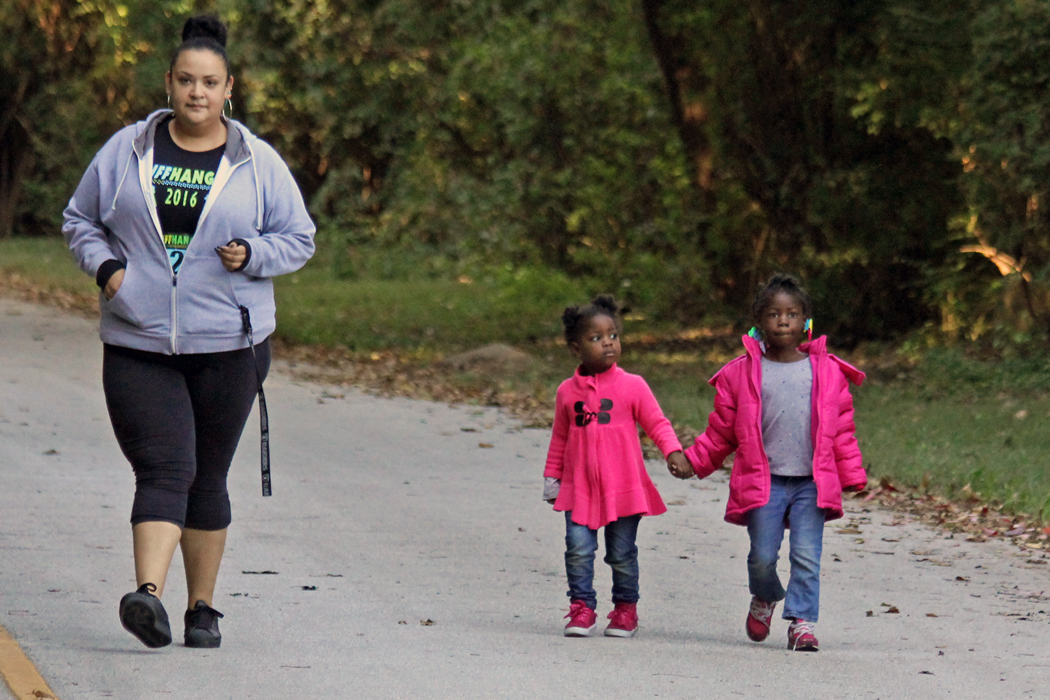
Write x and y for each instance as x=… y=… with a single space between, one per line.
x=940 y=424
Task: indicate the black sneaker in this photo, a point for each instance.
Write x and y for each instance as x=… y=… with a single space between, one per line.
x=202 y=627
x=142 y=614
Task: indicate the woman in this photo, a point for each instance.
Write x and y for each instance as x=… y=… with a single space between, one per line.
x=183 y=219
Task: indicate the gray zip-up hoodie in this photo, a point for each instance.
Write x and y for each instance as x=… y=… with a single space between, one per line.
x=113 y=216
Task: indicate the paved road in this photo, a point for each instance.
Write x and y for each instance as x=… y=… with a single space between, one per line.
x=411 y=562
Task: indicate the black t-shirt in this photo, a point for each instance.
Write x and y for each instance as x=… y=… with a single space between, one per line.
x=181 y=182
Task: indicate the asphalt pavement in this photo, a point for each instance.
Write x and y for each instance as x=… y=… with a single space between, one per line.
x=406 y=553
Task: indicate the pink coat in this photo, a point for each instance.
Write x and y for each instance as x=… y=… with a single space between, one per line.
x=600 y=462
x=735 y=425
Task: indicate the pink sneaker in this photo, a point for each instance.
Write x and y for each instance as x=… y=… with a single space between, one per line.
x=624 y=620
x=582 y=620
x=758 y=618
x=801 y=637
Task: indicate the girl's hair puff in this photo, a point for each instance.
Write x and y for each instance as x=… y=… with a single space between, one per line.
x=781 y=282
x=575 y=317
x=203 y=32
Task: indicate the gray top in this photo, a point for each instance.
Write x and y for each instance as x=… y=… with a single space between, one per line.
x=787 y=408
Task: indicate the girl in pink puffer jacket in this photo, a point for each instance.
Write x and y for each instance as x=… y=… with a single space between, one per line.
x=786 y=410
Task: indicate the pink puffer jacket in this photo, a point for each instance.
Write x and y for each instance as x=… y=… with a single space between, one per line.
x=735 y=425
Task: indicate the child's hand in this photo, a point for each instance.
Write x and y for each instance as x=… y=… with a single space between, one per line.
x=679 y=465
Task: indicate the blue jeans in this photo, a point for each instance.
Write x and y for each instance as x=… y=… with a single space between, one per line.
x=794 y=499
x=621 y=554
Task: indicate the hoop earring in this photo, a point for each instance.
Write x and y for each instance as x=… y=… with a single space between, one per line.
x=224 y=104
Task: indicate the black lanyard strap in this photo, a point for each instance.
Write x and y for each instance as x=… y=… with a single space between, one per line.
x=264 y=419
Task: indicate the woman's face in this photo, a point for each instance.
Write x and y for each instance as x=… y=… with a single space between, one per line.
x=199 y=85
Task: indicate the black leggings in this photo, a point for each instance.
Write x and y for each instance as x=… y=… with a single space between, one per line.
x=178 y=419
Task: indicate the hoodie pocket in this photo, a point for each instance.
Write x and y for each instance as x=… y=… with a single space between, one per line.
x=207 y=302
x=139 y=303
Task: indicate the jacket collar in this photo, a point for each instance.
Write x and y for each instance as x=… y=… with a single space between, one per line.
x=582 y=381
x=813 y=348
x=237 y=134
x=817 y=346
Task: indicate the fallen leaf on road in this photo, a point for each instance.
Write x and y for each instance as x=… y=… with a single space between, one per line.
x=931 y=615
x=485 y=444
x=427 y=622
x=847 y=531
x=870 y=613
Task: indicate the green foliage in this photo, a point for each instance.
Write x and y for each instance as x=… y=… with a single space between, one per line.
x=81 y=70
x=1004 y=143
x=853 y=200
x=531 y=133
x=669 y=151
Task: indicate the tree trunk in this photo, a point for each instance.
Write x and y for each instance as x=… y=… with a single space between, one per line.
x=684 y=86
x=15 y=159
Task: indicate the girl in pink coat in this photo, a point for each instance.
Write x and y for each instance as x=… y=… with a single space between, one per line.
x=786 y=410
x=595 y=471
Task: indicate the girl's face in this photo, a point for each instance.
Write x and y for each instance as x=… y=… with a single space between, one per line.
x=198 y=85
x=782 y=322
x=599 y=345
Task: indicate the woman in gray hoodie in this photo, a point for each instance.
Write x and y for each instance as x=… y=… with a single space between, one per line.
x=183 y=219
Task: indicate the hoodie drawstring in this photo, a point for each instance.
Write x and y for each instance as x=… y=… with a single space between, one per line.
x=127 y=166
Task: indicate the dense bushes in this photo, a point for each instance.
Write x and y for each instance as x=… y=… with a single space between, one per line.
x=894 y=153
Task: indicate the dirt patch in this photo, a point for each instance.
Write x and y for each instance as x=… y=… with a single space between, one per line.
x=15 y=286
x=490 y=359
x=389 y=374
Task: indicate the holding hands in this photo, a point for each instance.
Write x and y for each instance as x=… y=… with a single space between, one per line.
x=679 y=465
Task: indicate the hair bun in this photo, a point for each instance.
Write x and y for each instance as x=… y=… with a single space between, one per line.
x=606 y=302
x=206 y=27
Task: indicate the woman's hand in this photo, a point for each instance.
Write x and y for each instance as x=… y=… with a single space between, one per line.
x=679 y=466
x=232 y=255
x=113 y=284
